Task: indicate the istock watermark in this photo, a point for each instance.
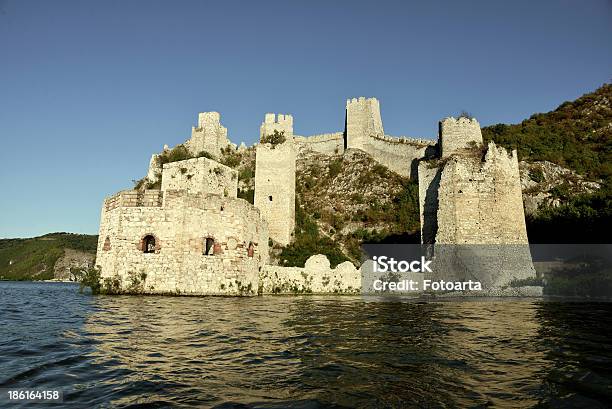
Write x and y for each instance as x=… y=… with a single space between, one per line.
x=384 y=264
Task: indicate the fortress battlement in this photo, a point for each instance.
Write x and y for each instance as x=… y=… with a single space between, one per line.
x=277 y=122
x=134 y=198
x=405 y=140
x=193 y=235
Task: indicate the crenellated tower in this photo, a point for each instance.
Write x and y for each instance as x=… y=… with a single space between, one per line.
x=275 y=179
x=273 y=122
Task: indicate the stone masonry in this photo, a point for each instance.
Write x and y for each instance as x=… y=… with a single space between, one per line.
x=281 y=123
x=209 y=136
x=275 y=188
x=471 y=208
x=194 y=236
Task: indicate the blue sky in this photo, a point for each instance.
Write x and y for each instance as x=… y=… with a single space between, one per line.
x=89 y=90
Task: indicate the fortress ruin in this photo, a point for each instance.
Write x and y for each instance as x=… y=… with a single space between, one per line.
x=192 y=235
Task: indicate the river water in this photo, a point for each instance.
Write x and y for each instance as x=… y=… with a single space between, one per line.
x=301 y=352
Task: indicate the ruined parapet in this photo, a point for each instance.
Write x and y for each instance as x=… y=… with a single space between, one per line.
x=456 y=135
x=328 y=144
x=400 y=155
x=209 y=136
x=362 y=120
x=280 y=123
x=200 y=175
x=480 y=200
x=316 y=277
x=275 y=188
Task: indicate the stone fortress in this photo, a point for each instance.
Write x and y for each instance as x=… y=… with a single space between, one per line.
x=194 y=236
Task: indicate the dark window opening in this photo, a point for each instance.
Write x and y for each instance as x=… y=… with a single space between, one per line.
x=148 y=244
x=107 y=245
x=270 y=197
x=209 y=244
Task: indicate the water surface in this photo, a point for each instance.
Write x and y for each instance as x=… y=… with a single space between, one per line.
x=302 y=352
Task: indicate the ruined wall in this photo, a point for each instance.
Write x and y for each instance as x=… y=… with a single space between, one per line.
x=316 y=277
x=328 y=144
x=480 y=202
x=429 y=184
x=200 y=175
x=209 y=135
x=398 y=154
x=180 y=227
x=471 y=209
x=281 y=123
x=458 y=134
x=362 y=120
x=275 y=188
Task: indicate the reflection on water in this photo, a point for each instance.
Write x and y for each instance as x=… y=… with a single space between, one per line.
x=302 y=351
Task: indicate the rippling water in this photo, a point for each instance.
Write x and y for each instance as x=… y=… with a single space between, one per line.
x=302 y=352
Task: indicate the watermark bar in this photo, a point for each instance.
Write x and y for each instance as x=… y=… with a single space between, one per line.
x=8 y=396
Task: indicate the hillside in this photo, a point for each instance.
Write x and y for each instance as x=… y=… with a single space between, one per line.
x=344 y=200
x=576 y=206
x=45 y=257
x=577 y=135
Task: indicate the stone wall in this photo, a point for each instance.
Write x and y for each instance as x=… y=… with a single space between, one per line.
x=316 y=277
x=200 y=175
x=180 y=228
x=328 y=144
x=480 y=202
x=458 y=134
x=400 y=155
x=209 y=135
x=275 y=188
x=281 y=123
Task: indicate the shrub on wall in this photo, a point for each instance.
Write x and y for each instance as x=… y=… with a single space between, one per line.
x=275 y=138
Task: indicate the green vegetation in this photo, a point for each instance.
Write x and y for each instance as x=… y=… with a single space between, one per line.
x=309 y=241
x=179 y=153
x=537 y=175
x=247 y=194
x=274 y=139
x=35 y=258
x=576 y=135
x=335 y=167
x=590 y=277
x=88 y=278
x=583 y=219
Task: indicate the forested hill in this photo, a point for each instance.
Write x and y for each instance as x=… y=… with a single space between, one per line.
x=44 y=257
x=576 y=135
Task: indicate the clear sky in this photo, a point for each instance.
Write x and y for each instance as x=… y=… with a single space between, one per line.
x=90 y=89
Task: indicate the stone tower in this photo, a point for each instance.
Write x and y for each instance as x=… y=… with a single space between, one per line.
x=458 y=134
x=275 y=179
x=472 y=208
x=281 y=123
x=362 y=120
x=209 y=135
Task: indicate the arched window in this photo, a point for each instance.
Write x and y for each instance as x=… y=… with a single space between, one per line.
x=148 y=244
x=251 y=250
x=107 y=245
x=209 y=244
